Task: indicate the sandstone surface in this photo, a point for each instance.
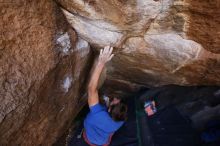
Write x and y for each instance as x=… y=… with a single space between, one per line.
x=157 y=42
x=46 y=55
x=43 y=67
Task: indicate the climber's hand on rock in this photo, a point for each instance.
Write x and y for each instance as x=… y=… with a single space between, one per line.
x=105 y=55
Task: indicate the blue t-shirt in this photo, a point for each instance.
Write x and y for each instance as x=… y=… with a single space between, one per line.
x=99 y=125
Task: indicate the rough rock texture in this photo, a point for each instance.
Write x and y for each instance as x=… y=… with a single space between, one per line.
x=157 y=42
x=204 y=24
x=42 y=72
x=44 y=63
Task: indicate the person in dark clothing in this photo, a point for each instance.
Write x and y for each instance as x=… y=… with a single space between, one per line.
x=102 y=121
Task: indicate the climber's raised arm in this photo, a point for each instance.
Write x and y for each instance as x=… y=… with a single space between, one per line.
x=104 y=56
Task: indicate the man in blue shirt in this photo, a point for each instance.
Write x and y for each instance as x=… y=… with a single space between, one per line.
x=102 y=121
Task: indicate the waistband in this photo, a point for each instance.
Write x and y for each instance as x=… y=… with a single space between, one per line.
x=90 y=144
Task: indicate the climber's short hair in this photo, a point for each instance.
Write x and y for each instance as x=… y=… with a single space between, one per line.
x=118 y=111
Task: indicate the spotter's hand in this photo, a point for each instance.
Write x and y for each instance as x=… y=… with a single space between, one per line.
x=105 y=54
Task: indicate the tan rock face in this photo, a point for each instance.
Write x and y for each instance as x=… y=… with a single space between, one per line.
x=44 y=64
x=157 y=42
x=42 y=72
x=204 y=24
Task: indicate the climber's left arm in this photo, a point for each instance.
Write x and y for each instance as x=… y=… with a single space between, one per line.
x=104 y=56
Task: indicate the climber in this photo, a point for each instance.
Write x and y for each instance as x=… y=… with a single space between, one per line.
x=102 y=120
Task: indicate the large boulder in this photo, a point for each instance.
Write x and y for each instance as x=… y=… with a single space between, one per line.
x=44 y=64
x=43 y=69
x=156 y=42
